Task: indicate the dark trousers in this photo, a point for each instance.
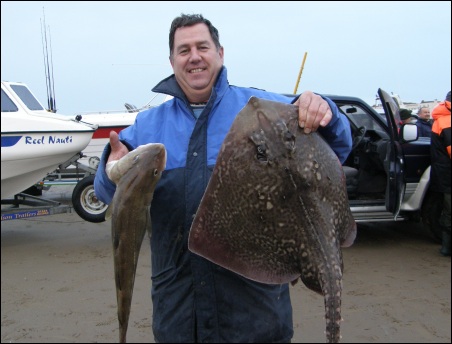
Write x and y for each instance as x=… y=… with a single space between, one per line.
x=444 y=220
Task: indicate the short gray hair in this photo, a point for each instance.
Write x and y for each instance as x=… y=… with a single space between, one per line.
x=422 y=107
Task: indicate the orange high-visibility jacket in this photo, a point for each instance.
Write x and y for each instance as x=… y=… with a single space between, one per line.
x=440 y=148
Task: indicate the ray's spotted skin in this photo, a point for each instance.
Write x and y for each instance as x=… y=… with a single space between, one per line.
x=135 y=175
x=276 y=208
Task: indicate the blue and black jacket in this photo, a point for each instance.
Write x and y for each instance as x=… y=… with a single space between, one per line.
x=193 y=299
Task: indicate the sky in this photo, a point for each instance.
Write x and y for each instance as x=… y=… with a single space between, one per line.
x=108 y=53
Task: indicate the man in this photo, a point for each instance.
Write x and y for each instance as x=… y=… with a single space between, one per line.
x=424 y=123
x=193 y=299
x=441 y=165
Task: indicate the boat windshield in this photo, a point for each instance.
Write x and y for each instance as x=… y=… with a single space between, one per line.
x=27 y=98
x=7 y=104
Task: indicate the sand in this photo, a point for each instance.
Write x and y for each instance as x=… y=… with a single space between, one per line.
x=57 y=286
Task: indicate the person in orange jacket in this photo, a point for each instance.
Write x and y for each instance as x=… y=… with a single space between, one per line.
x=441 y=166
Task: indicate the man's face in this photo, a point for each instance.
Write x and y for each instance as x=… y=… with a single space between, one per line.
x=196 y=61
x=424 y=113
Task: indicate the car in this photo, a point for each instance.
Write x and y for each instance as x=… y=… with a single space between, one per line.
x=388 y=169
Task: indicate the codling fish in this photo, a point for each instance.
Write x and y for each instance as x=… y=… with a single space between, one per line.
x=135 y=175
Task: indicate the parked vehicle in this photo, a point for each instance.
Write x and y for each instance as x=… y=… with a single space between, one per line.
x=388 y=170
x=34 y=141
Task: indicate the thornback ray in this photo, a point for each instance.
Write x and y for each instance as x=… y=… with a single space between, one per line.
x=135 y=175
x=276 y=207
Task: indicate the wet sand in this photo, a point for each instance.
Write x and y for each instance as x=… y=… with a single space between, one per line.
x=57 y=286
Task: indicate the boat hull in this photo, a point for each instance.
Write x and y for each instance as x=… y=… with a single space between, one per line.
x=27 y=158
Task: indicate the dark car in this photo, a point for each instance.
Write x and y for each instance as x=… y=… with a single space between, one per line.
x=388 y=170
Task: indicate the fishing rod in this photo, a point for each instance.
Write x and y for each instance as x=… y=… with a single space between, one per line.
x=48 y=65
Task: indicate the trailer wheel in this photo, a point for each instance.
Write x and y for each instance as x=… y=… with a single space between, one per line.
x=85 y=202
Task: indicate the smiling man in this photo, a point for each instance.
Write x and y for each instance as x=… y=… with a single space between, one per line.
x=193 y=299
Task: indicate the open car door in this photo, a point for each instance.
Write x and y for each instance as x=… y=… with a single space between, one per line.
x=394 y=163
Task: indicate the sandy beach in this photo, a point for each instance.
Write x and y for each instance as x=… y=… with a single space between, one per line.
x=57 y=286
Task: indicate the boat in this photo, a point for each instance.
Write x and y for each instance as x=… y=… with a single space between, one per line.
x=106 y=122
x=35 y=141
x=111 y=120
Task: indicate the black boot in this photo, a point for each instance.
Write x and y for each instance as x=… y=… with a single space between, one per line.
x=445 y=249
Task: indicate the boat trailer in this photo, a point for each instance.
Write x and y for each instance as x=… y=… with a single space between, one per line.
x=24 y=206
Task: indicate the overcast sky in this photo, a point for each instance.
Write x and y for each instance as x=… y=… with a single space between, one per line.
x=108 y=53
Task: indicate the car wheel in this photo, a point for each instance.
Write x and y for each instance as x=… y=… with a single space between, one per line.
x=85 y=202
x=431 y=212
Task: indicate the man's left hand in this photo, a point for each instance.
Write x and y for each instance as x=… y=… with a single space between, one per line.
x=313 y=111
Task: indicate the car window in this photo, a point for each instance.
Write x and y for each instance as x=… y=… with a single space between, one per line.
x=359 y=117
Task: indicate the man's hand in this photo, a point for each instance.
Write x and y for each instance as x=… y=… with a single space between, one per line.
x=313 y=111
x=118 y=149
